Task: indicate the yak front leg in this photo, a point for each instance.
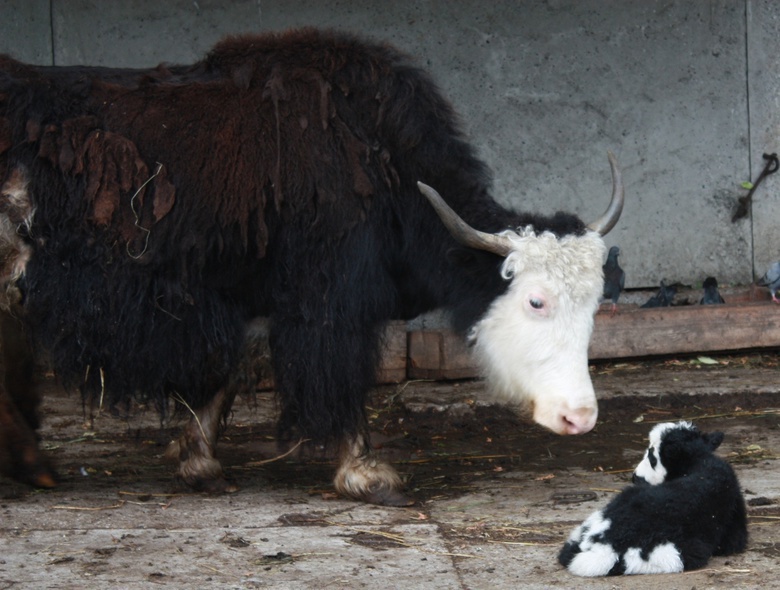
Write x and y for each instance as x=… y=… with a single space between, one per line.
x=362 y=476
x=195 y=449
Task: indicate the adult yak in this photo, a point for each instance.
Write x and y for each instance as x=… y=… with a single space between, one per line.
x=152 y=213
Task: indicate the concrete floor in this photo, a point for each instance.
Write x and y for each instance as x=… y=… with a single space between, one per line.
x=497 y=496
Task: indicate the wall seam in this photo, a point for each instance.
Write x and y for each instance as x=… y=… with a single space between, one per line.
x=749 y=136
x=51 y=32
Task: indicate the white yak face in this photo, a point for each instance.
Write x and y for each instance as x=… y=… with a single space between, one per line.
x=532 y=343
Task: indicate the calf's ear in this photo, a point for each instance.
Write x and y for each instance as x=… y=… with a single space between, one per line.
x=713 y=439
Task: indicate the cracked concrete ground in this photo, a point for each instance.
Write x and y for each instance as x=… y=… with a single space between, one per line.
x=497 y=496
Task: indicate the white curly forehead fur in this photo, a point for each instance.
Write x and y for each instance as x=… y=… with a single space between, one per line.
x=572 y=262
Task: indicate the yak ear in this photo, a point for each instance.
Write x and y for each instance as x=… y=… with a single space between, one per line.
x=713 y=439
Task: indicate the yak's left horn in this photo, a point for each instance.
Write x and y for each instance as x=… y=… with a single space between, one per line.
x=607 y=221
x=462 y=231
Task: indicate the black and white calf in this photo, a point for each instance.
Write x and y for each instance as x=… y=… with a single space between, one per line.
x=685 y=506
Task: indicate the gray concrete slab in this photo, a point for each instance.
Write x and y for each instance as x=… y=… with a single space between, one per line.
x=544 y=90
x=764 y=84
x=25 y=30
x=238 y=558
x=144 y=33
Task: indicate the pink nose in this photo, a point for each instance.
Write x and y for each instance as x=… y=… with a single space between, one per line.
x=579 y=421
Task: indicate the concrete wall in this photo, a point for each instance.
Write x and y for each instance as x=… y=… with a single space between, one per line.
x=763 y=22
x=684 y=91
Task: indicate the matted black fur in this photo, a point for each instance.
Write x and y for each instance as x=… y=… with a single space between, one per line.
x=287 y=188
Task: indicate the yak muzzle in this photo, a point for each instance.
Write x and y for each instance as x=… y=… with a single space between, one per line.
x=567 y=421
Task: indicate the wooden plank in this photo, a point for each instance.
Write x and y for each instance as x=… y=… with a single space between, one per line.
x=439 y=354
x=424 y=354
x=457 y=360
x=632 y=332
x=685 y=329
x=392 y=365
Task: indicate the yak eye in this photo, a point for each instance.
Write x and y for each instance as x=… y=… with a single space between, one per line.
x=536 y=303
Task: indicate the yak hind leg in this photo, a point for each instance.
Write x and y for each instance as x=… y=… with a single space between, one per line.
x=195 y=449
x=20 y=457
x=360 y=475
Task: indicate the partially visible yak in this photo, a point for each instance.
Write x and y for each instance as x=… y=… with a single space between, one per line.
x=684 y=507
x=154 y=212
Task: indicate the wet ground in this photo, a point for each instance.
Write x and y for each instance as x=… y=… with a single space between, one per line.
x=497 y=496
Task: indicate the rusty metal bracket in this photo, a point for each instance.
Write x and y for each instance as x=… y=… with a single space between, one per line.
x=743 y=204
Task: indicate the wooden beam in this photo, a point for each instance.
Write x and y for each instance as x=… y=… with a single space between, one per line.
x=439 y=354
x=632 y=332
x=685 y=329
x=392 y=366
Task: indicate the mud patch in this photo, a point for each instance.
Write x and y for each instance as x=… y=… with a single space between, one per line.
x=303 y=519
x=443 y=455
x=771 y=550
x=440 y=454
x=377 y=540
x=545 y=534
x=234 y=541
x=275 y=560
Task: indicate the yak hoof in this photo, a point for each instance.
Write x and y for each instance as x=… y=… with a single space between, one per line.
x=382 y=493
x=30 y=467
x=219 y=485
x=43 y=479
x=40 y=473
x=20 y=457
x=199 y=471
x=362 y=477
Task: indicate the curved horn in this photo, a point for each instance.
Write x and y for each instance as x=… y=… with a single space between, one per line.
x=607 y=221
x=462 y=231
